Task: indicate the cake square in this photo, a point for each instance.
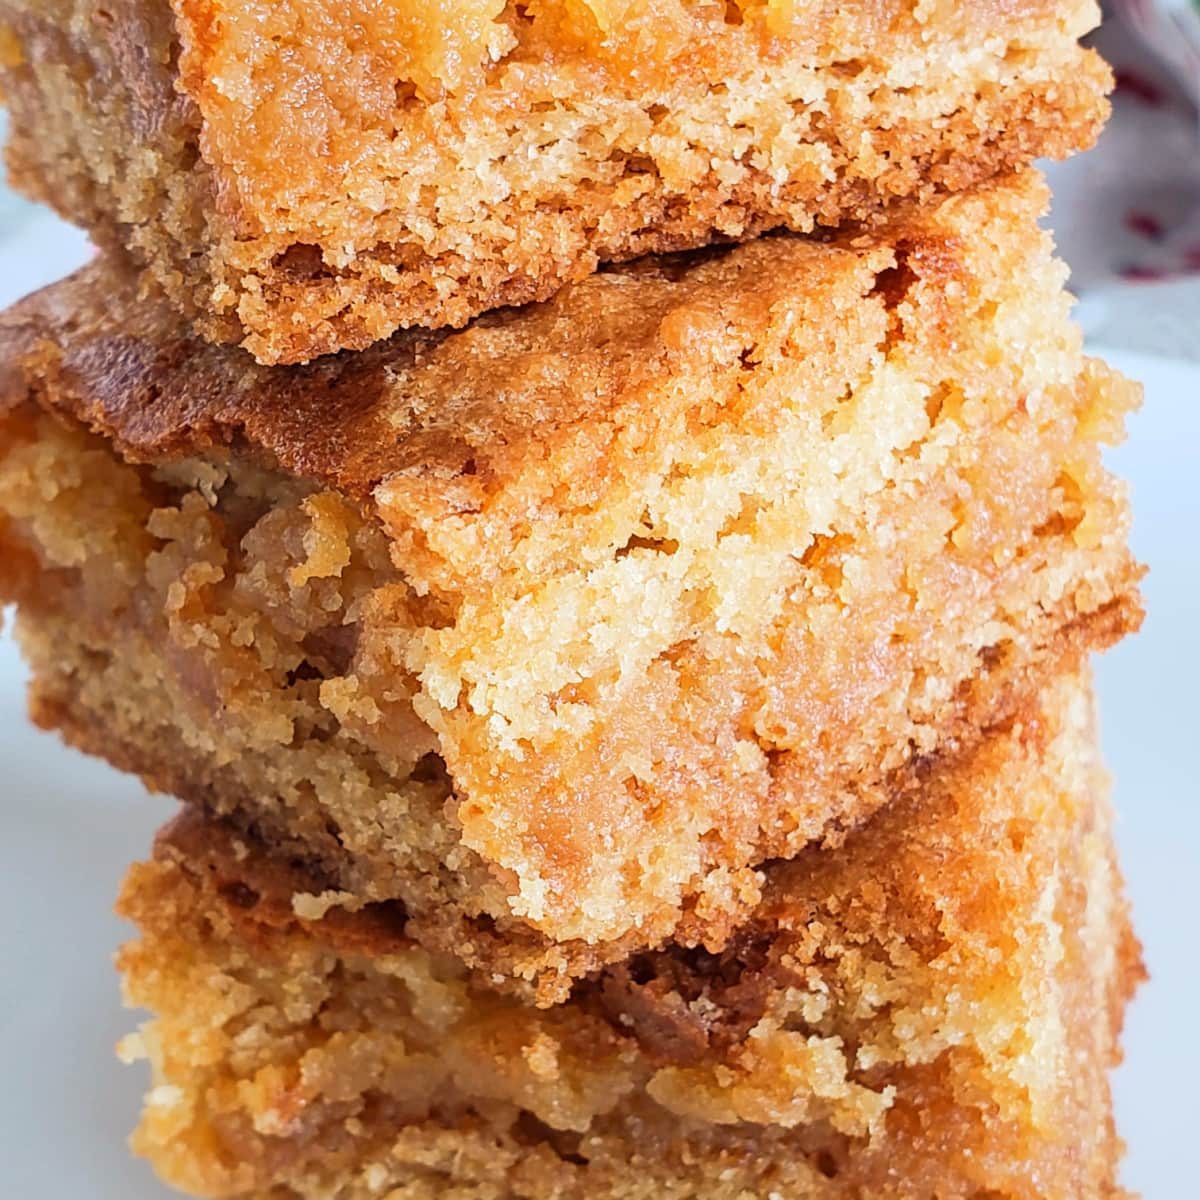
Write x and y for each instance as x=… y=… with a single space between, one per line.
x=303 y=176
x=556 y=628
x=929 y=1010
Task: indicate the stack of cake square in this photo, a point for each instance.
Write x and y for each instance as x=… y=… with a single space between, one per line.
x=635 y=745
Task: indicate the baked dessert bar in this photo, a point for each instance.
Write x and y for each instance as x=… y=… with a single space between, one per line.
x=309 y=175
x=929 y=1010
x=555 y=628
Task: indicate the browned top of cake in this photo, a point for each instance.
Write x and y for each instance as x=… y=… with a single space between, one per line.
x=460 y=413
x=359 y=48
x=259 y=890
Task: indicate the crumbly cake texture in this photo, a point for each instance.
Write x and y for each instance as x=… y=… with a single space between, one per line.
x=929 y=1010
x=309 y=175
x=556 y=627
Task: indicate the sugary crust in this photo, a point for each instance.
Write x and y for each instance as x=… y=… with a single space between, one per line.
x=503 y=635
x=929 y=1010
x=280 y=172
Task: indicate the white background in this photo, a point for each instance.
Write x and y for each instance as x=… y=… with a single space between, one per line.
x=69 y=826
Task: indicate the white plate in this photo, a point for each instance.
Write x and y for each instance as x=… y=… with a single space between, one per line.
x=68 y=827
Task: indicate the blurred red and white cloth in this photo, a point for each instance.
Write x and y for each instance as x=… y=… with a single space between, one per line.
x=1127 y=215
x=1171 y=28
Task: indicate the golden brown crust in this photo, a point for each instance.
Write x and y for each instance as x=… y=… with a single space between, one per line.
x=929 y=1010
x=92 y=350
x=257 y=887
x=280 y=172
